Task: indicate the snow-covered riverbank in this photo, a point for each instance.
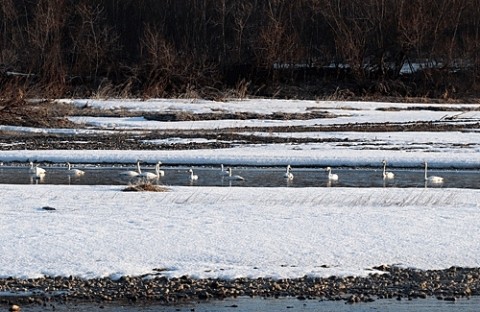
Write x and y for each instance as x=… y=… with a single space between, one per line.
x=232 y=232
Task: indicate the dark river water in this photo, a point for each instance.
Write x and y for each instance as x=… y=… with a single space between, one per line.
x=271 y=305
x=254 y=177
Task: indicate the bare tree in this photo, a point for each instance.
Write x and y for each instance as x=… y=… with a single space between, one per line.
x=45 y=38
x=159 y=62
x=351 y=28
x=278 y=43
x=94 y=43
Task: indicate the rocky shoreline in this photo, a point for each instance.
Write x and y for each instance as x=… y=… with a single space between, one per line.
x=391 y=282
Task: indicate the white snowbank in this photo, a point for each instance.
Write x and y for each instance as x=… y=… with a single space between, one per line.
x=320 y=155
x=233 y=232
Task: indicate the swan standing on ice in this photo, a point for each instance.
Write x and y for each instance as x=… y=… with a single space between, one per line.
x=432 y=179
x=193 y=177
x=233 y=177
x=73 y=171
x=331 y=176
x=386 y=174
x=131 y=173
x=151 y=175
x=36 y=171
x=288 y=175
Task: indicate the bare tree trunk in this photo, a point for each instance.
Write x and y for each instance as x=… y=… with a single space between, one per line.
x=351 y=29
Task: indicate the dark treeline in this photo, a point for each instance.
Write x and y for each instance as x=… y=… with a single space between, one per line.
x=300 y=48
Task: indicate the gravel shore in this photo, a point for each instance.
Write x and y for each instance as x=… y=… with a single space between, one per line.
x=392 y=282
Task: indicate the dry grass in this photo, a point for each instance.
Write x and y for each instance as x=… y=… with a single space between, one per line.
x=145 y=187
x=46 y=114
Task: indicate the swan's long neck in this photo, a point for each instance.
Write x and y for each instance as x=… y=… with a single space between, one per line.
x=426 y=171
x=138 y=167
x=229 y=172
x=69 y=166
x=157 y=169
x=329 y=171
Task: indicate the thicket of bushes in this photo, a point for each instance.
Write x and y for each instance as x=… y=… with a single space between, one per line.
x=152 y=48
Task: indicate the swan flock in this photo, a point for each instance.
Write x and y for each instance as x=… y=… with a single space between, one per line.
x=37 y=172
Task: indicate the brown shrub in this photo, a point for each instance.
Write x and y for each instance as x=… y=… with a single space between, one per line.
x=145 y=187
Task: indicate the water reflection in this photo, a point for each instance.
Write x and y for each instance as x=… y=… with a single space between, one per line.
x=252 y=177
x=35 y=179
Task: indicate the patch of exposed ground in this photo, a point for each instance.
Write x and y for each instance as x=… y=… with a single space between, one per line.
x=125 y=142
x=41 y=114
x=183 y=116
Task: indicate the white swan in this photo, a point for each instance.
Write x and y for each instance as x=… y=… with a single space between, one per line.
x=386 y=174
x=432 y=179
x=223 y=172
x=193 y=177
x=36 y=171
x=288 y=175
x=331 y=176
x=233 y=177
x=131 y=173
x=150 y=175
x=73 y=171
x=159 y=172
